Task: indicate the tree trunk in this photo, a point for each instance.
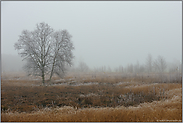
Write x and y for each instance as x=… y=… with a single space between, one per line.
x=43 y=81
x=51 y=73
x=52 y=69
x=51 y=76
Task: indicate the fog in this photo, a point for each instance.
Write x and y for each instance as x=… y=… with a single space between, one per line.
x=105 y=33
x=12 y=63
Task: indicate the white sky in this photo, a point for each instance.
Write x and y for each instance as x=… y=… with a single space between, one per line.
x=105 y=33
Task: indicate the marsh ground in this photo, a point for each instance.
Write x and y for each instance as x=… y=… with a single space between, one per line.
x=99 y=97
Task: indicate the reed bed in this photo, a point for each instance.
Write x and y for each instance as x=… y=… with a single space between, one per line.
x=91 y=98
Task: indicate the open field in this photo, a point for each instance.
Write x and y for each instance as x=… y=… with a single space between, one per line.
x=92 y=98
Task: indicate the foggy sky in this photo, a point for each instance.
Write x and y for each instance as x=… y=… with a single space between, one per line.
x=105 y=33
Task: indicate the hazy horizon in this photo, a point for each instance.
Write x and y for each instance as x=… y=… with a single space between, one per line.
x=104 y=33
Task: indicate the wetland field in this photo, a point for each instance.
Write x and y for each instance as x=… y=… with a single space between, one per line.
x=92 y=97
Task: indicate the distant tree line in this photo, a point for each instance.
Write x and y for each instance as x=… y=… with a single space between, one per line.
x=158 y=65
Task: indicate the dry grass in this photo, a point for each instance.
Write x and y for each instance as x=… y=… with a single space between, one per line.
x=21 y=100
x=150 y=112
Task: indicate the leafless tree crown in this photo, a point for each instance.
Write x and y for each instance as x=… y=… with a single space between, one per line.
x=46 y=51
x=160 y=64
x=149 y=63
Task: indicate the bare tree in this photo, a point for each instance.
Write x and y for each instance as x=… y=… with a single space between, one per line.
x=137 y=67
x=119 y=69
x=130 y=68
x=141 y=68
x=160 y=64
x=61 y=53
x=83 y=67
x=46 y=51
x=109 y=69
x=149 y=63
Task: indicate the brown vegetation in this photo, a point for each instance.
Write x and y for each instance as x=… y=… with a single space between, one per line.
x=111 y=99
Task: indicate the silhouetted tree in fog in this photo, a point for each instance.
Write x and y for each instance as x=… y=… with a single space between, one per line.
x=62 y=53
x=149 y=63
x=130 y=68
x=119 y=69
x=83 y=67
x=45 y=50
x=137 y=67
x=160 y=64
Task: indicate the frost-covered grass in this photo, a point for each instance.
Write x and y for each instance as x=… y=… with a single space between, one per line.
x=168 y=110
x=114 y=98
